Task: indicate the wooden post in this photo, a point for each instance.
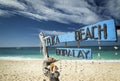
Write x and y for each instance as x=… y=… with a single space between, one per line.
x=78 y=43
x=43 y=44
x=65 y=44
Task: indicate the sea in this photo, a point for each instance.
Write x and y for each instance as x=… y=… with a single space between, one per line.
x=98 y=53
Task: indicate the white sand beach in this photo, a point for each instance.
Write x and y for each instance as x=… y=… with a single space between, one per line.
x=31 y=70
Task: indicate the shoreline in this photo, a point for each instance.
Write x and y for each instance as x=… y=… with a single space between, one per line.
x=36 y=59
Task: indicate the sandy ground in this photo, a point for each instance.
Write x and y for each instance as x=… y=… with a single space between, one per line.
x=31 y=70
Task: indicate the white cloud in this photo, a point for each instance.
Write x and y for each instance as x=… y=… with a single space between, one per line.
x=63 y=11
x=5 y=13
x=12 y=3
x=75 y=11
x=31 y=15
x=114 y=8
x=78 y=10
x=2 y=12
x=47 y=32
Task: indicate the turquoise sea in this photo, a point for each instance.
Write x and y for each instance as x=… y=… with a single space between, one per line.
x=106 y=53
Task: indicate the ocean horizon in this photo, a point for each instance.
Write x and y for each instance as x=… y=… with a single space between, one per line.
x=102 y=53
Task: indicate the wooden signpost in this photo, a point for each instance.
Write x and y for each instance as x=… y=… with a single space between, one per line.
x=102 y=31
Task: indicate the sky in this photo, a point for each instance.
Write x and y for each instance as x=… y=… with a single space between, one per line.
x=22 y=20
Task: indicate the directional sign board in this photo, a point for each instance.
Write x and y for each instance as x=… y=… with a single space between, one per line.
x=102 y=31
x=83 y=53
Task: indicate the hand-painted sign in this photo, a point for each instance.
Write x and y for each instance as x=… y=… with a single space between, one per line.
x=82 y=53
x=102 y=31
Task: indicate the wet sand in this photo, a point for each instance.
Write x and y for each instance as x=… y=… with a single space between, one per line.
x=31 y=70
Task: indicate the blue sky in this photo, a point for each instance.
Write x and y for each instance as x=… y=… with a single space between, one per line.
x=22 y=20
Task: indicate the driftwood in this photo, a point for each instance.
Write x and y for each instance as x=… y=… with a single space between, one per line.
x=44 y=50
